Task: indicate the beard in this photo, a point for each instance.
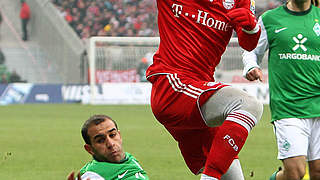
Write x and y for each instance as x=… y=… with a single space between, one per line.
x=300 y=1
x=109 y=157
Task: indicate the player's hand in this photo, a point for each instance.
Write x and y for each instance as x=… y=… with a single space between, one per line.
x=254 y=74
x=242 y=17
x=72 y=177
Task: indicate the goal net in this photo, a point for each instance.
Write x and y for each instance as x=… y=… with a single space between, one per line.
x=125 y=59
x=117 y=59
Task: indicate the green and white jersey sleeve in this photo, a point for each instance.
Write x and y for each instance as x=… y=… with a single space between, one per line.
x=293 y=40
x=129 y=169
x=253 y=58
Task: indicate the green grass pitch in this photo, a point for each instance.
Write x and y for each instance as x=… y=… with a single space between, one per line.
x=43 y=142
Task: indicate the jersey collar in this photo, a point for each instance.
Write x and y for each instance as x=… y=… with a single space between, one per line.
x=297 y=13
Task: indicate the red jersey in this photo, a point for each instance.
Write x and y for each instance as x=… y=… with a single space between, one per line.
x=25 y=11
x=194 y=35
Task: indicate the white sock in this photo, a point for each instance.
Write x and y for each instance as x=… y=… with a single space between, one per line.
x=206 y=177
x=234 y=172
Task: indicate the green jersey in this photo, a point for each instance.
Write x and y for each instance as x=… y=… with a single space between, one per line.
x=293 y=40
x=128 y=169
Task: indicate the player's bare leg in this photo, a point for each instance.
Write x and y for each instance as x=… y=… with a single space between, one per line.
x=314 y=169
x=293 y=169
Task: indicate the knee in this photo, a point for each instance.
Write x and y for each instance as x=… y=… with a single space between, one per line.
x=253 y=106
x=295 y=176
x=248 y=114
x=226 y=101
x=295 y=173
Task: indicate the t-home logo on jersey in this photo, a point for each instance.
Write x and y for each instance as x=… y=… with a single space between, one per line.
x=299 y=44
x=201 y=17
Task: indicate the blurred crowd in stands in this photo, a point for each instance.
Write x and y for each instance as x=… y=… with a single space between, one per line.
x=133 y=18
x=271 y=4
x=110 y=17
x=117 y=17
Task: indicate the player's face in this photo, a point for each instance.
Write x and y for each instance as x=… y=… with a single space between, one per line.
x=106 y=142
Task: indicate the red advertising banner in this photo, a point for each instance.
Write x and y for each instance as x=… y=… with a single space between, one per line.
x=107 y=76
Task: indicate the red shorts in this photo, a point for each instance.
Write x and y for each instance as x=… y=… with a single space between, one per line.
x=176 y=102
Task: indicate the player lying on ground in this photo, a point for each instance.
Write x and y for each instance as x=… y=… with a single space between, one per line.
x=103 y=141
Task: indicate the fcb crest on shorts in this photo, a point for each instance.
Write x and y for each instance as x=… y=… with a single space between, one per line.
x=228 y=4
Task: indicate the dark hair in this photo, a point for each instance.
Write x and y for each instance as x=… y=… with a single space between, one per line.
x=95 y=119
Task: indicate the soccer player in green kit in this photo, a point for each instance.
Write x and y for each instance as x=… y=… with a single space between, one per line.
x=110 y=161
x=292 y=35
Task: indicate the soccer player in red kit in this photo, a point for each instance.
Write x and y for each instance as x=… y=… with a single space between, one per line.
x=209 y=120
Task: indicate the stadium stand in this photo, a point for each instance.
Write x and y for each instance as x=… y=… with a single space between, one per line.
x=59 y=30
x=52 y=55
x=7 y=76
x=110 y=17
x=119 y=18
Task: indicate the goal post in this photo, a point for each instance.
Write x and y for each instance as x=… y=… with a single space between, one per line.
x=116 y=41
x=117 y=55
x=117 y=59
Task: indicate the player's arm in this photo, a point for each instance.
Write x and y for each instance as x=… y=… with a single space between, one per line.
x=252 y=59
x=246 y=26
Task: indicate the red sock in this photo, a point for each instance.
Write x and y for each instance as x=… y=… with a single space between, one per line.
x=226 y=145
